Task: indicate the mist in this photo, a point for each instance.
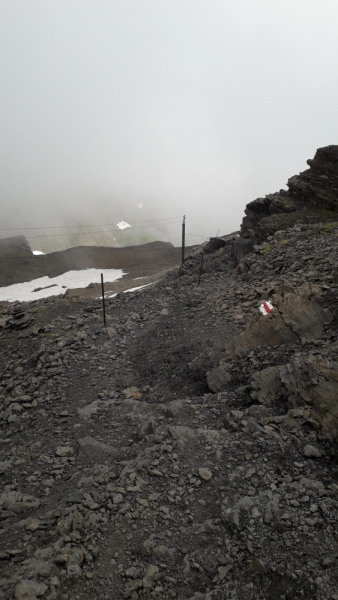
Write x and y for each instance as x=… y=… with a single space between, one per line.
x=186 y=107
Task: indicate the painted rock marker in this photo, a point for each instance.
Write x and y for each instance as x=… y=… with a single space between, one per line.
x=266 y=308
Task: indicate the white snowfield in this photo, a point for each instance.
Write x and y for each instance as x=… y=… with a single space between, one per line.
x=140 y=287
x=37 y=252
x=24 y=292
x=123 y=225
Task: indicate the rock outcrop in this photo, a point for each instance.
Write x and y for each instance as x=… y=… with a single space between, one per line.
x=314 y=191
x=318 y=185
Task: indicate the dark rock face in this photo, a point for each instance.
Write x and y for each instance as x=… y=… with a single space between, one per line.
x=260 y=220
x=314 y=191
x=319 y=184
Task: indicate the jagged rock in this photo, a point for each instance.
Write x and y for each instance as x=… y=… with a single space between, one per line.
x=217 y=378
x=131 y=587
x=238 y=512
x=74 y=563
x=172 y=409
x=304 y=315
x=148 y=579
x=5 y=465
x=64 y=451
x=17 y=502
x=216 y=243
x=148 y=426
x=208 y=527
x=163 y=553
x=313 y=381
x=263 y=331
x=311 y=451
x=257 y=566
x=315 y=187
x=318 y=185
x=298 y=319
x=90 y=442
x=240 y=247
x=266 y=385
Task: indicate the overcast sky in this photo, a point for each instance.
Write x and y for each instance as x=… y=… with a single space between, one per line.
x=187 y=106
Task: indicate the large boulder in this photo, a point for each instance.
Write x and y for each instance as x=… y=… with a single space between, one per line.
x=296 y=318
x=217 y=378
x=313 y=381
x=266 y=385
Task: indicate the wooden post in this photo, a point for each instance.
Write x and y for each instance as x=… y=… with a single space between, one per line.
x=103 y=302
x=183 y=239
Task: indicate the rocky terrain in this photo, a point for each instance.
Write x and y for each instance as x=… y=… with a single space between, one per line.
x=188 y=449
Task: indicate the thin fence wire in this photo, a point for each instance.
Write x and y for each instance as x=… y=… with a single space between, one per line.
x=86 y=232
x=88 y=225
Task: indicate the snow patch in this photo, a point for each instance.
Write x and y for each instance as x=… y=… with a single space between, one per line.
x=37 y=252
x=24 y=292
x=139 y=287
x=123 y=225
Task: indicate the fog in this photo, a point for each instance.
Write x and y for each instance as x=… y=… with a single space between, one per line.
x=185 y=106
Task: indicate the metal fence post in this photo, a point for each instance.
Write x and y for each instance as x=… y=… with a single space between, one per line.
x=103 y=302
x=183 y=239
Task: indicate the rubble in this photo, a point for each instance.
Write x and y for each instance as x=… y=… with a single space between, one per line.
x=193 y=453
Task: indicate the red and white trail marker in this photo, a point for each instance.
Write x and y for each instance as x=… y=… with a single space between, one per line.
x=266 y=308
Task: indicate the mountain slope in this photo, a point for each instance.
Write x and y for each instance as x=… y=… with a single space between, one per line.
x=189 y=449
